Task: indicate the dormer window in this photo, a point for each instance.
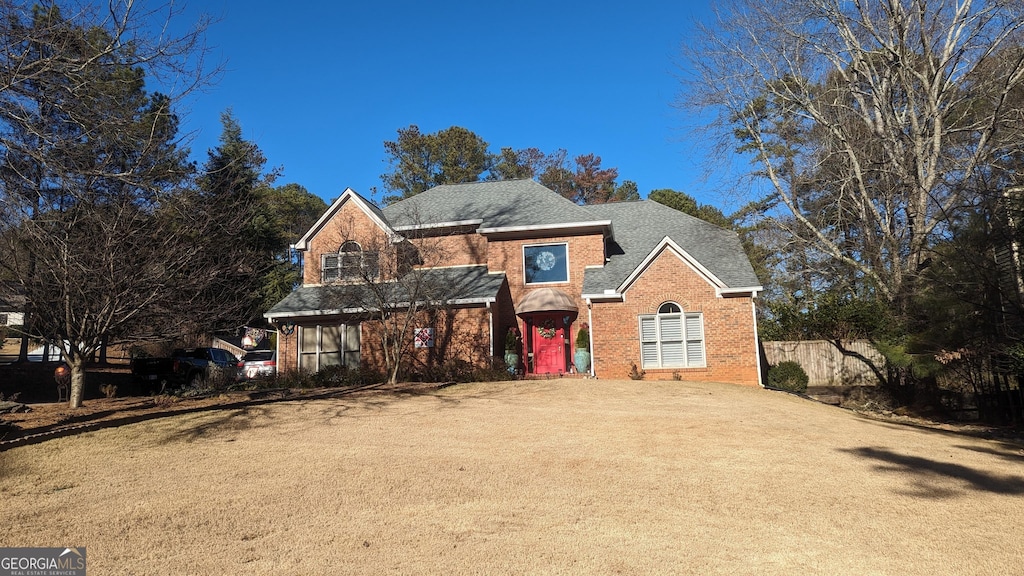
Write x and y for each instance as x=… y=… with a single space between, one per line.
x=350 y=263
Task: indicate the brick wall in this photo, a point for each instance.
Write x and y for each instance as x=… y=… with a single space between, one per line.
x=452 y=249
x=349 y=223
x=507 y=256
x=730 y=350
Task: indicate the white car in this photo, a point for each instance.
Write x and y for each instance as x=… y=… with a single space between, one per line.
x=257 y=364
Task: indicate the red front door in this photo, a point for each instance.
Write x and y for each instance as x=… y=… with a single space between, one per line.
x=548 y=345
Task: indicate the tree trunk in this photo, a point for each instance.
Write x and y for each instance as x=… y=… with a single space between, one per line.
x=77 y=392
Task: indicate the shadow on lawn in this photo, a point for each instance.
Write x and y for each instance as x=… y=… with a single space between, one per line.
x=315 y=409
x=928 y=474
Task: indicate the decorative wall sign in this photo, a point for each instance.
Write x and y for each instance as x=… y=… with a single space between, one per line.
x=424 y=338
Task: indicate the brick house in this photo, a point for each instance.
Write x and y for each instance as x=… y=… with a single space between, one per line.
x=670 y=293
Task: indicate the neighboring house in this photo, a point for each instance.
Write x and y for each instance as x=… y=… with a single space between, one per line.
x=670 y=293
x=12 y=305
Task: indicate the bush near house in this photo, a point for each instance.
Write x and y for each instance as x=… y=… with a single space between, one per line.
x=788 y=375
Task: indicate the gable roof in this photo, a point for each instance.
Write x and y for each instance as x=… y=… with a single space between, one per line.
x=349 y=195
x=504 y=206
x=471 y=284
x=637 y=231
x=645 y=228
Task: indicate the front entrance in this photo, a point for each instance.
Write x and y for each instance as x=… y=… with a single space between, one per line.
x=547 y=314
x=548 y=344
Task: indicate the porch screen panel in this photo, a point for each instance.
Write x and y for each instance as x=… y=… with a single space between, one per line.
x=308 y=345
x=352 y=345
x=330 y=346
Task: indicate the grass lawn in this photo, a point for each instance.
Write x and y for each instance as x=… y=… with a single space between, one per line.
x=529 y=477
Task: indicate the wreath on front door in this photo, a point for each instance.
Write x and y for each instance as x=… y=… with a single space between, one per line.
x=547 y=329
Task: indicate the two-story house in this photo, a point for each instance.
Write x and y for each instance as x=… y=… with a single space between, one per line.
x=661 y=290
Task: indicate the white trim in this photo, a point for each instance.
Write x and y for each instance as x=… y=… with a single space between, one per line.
x=573 y=226
x=314 y=313
x=683 y=255
x=490 y=329
x=610 y=297
x=349 y=194
x=343 y=311
x=752 y=290
x=453 y=224
x=590 y=322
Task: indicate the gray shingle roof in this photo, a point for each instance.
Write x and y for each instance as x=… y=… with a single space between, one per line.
x=640 y=226
x=467 y=284
x=501 y=204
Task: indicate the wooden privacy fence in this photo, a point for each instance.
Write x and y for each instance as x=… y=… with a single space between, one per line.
x=825 y=364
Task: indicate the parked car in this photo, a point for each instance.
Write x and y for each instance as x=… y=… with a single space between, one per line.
x=257 y=364
x=191 y=366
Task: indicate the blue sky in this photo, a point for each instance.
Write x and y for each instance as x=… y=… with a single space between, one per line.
x=319 y=86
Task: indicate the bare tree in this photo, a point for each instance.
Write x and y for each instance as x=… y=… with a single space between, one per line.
x=101 y=227
x=395 y=283
x=870 y=123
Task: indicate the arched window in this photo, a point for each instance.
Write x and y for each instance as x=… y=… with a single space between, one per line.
x=351 y=263
x=672 y=338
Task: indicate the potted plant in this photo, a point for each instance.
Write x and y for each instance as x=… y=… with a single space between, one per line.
x=582 y=357
x=513 y=345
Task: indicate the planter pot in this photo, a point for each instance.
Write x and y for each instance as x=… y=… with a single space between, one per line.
x=582 y=361
x=512 y=361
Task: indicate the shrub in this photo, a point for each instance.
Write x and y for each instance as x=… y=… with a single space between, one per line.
x=513 y=341
x=635 y=373
x=788 y=375
x=583 y=337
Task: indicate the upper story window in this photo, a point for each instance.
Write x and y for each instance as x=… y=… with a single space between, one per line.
x=351 y=262
x=672 y=338
x=546 y=263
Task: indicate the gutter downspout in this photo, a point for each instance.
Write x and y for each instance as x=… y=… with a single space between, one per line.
x=490 y=331
x=590 y=320
x=757 y=340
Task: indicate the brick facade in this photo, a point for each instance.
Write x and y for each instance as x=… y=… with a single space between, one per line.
x=729 y=338
x=465 y=333
x=350 y=223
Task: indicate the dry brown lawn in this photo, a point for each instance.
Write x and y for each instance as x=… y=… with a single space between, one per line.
x=549 y=477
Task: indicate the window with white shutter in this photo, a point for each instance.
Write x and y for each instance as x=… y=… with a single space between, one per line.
x=672 y=338
x=350 y=263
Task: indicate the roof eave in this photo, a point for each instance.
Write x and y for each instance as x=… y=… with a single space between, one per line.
x=607 y=295
x=573 y=227
x=752 y=290
x=453 y=224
